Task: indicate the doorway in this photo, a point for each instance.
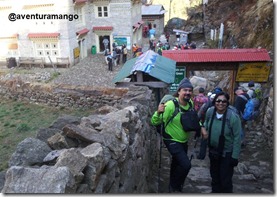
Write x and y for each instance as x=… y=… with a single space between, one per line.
x=101 y=44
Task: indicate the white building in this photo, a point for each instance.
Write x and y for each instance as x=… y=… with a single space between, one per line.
x=66 y=28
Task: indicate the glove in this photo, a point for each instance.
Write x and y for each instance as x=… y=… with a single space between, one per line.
x=234 y=162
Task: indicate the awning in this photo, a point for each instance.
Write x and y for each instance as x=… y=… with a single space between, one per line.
x=141 y=22
x=43 y=35
x=82 y=32
x=136 y=26
x=80 y=1
x=9 y=36
x=102 y=28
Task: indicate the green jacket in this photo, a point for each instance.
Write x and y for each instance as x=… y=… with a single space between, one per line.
x=231 y=132
x=174 y=128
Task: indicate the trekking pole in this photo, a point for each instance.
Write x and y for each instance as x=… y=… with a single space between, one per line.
x=160 y=159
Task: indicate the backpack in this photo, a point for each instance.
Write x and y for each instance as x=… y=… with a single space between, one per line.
x=251 y=110
x=258 y=93
x=203 y=109
x=199 y=101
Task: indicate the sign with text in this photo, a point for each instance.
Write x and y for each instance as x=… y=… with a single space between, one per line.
x=257 y=71
x=180 y=73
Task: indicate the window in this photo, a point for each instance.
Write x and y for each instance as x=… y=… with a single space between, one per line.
x=46 y=48
x=79 y=12
x=102 y=11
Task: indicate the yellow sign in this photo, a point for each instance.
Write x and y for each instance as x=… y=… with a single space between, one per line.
x=76 y=52
x=258 y=72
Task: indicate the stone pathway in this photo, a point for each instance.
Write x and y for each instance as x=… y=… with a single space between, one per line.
x=253 y=175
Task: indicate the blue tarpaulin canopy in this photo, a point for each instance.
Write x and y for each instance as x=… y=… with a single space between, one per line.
x=153 y=64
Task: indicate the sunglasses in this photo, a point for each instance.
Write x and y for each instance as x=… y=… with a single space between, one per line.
x=222 y=101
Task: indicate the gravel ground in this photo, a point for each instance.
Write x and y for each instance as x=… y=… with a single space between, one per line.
x=91 y=71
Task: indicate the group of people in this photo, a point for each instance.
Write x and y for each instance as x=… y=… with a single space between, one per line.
x=113 y=58
x=221 y=131
x=185 y=46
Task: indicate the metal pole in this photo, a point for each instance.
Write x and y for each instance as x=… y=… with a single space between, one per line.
x=169 y=9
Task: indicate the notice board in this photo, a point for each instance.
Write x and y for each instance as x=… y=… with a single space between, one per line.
x=180 y=73
x=256 y=71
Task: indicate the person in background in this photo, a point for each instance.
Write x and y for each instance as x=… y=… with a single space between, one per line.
x=124 y=53
x=201 y=114
x=118 y=55
x=114 y=55
x=110 y=62
x=240 y=102
x=106 y=54
x=135 y=49
x=200 y=99
x=174 y=137
x=105 y=42
x=251 y=91
x=167 y=35
x=224 y=143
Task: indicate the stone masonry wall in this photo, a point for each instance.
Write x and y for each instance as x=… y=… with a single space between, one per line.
x=114 y=150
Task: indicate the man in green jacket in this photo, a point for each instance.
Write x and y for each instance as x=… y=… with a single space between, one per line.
x=174 y=136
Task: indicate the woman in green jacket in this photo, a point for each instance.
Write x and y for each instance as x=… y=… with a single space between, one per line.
x=174 y=137
x=224 y=141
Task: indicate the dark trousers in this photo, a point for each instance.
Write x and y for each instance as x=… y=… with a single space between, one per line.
x=110 y=65
x=180 y=164
x=221 y=171
x=124 y=58
x=203 y=149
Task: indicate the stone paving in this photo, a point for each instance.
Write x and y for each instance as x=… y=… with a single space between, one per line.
x=253 y=175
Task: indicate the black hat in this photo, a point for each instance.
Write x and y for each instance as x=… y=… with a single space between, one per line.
x=251 y=84
x=185 y=83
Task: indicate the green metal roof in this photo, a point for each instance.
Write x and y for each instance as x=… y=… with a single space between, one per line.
x=155 y=65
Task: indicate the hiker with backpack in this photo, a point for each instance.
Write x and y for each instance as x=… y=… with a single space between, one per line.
x=200 y=99
x=224 y=142
x=201 y=115
x=175 y=134
x=240 y=103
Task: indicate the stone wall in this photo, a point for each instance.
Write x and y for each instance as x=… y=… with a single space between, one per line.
x=114 y=150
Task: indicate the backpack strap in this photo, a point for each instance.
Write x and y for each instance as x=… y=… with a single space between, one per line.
x=221 y=144
x=244 y=97
x=176 y=111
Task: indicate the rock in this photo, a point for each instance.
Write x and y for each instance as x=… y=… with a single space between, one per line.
x=29 y=152
x=39 y=180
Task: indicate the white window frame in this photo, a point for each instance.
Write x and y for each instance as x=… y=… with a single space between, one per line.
x=102 y=12
x=79 y=11
x=46 y=48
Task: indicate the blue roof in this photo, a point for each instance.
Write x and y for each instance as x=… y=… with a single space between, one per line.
x=155 y=65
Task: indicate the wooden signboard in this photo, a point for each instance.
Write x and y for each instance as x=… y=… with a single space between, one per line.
x=76 y=52
x=256 y=71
